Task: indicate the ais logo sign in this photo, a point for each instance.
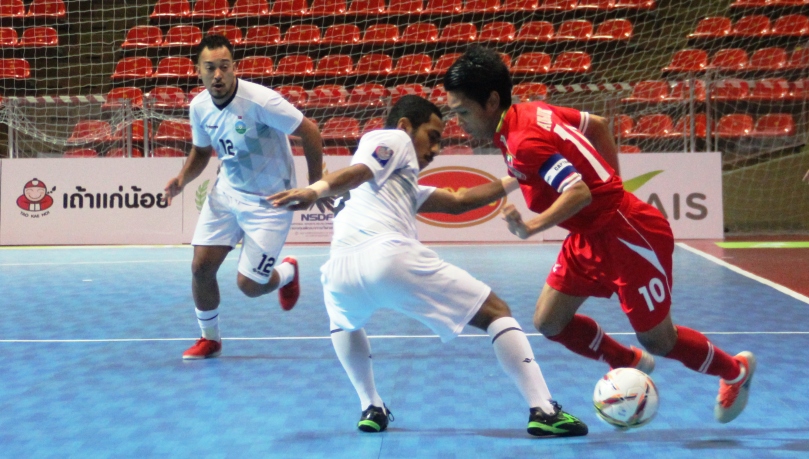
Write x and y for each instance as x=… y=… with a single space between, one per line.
x=454 y=179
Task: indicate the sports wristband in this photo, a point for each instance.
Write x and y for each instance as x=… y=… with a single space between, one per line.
x=320 y=187
x=509 y=184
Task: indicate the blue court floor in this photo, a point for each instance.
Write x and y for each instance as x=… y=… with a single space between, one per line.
x=91 y=340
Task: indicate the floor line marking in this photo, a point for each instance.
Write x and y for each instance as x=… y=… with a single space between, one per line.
x=121 y=262
x=748 y=274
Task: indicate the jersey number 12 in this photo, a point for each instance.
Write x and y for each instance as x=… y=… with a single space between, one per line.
x=227 y=147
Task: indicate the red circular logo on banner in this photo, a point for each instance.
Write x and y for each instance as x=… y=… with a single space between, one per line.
x=457 y=178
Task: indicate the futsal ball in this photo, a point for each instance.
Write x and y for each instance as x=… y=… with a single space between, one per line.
x=626 y=398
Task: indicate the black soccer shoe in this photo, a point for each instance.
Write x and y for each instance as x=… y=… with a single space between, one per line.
x=558 y=424
x=375 y=419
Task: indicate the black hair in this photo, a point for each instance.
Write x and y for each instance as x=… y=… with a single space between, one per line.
x=477 y=73
x=416 y=109
x=214 y=42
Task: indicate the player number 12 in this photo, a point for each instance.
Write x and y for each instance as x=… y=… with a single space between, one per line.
x=227 y=146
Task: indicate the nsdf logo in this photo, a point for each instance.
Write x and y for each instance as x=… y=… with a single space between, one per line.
x=456 y=178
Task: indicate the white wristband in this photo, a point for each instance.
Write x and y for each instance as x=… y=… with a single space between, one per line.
x=509 y=184
x=320 y=187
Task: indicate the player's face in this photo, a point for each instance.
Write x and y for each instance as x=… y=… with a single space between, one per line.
x=479 y=121
x=427 y=140
x=216 y=73
x=34 y=194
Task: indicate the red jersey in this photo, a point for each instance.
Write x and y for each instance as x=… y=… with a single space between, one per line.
x=545 y=151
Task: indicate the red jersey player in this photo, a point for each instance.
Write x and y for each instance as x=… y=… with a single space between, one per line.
x=618 y=244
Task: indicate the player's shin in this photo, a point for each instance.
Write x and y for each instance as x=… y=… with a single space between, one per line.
x=354 y=352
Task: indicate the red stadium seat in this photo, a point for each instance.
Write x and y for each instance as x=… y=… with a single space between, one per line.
x=381 y=34
x=571 y=62
x=688 y=60
x=133 y=67
x=530 y=63
x=444 y=6
x=506 y=58
x=405 y=6
x=167 y=97
x=254 y=67
x=250 y=8
x=525 y=92
x=169 y=152
x=613 y=29
x=131 y=93
x=367 y=7
x=262 y=35
x=519 y=5
x=183 y=35
x=232 y=33
x=35 y=37
x=413 y=64
x=458 y=32
x=791 y=25
x=558 y=5
x=598 y=5
x=171 y=9
x=629 y=149
x=143 y=37
x=438 y=95
x=18 y=69
x=368 y=95
x=46 y=9
x=712 y=27
x=374 y=64
x=730 y=89
x=799 y=59
x=575 y=29
x=756 y=25
x=289 y=8
x=682 y=91
x=175 y=67
x=194 y=92
x=481 y=6
x=451 y=150
x=444 y=62
x=774 y=125
x=770 y=89
x=211 y=9
x=328 y=7
x=80 y=153
x=328 y=95
x=750 y=3
x=295 y=64
x=336 y=151
x=90 y=131
x=653 y=126
x=137 y=131
x=341 y=128
x=294 y=94
x=635 y=4
x=700 y=125
x=729 y=59
x=735 y=125
x=799 y=89
x=122 y=153
x=649 y=91
x=420 y=32
x=373 y=124
x=8 y=37
x=342 y=34
x=306 y=33
x=768 y=59
x=174 y=130
x=622 y=125
x=12 y=9
x=502 y=32
x=453 y=132
x=335 y=65
x=535 y=31
x=406 y=89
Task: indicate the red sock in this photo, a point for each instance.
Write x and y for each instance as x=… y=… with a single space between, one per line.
x=585 y=337
x=697 y=353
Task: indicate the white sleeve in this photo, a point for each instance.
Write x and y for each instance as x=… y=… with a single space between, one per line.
x=424 y=192
x=384 y=152
x=279 y=114
x=199 y=137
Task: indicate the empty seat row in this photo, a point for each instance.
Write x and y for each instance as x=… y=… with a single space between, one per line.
x=737 y=59
x=217 y=9
x=101 y=131
x=657 y=91
x=792 y=25
x=767 y=3
x=661 y=126
x=31 y=37
x=37 y=9
x=159 y=152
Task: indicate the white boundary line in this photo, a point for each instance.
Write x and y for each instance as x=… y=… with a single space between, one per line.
x=736 y=269
x=122 y=262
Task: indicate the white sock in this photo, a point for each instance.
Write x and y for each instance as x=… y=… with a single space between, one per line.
x=354 y=351
x=514 y=352
x=209 y=324
x=286 y=272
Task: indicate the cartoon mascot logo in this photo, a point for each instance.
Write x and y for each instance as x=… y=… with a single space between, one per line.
x=35 y=197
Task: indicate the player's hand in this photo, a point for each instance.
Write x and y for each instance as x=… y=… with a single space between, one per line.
x=325 y=204
x=294 y=199
x=173 y=188
x=514 y=221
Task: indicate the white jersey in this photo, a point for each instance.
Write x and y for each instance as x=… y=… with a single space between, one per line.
x=249 y=135
x=388 y=203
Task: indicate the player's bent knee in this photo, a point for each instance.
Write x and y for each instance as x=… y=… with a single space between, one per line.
x=492 y=309
x=202 y=269
x=657 y=345
x=249 y=287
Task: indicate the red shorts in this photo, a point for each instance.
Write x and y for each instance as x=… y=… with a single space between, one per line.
x=631 y=256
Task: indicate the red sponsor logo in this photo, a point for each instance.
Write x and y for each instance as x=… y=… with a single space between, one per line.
x=457 y=178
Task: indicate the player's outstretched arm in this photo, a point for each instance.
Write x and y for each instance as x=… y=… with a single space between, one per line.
x=569 y=203
x=334 y=184
x=463 y=201
x=194 y=165
x=312 y=148
x=599 y=134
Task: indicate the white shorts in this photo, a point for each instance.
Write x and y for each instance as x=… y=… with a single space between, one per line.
x=400 y=274
x=224 y=220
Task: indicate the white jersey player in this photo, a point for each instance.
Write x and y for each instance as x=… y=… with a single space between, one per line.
x=246 y=125
x=377 y=262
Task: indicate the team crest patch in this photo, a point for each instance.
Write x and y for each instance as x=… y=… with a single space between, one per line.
x=383 y=154
x=240 y=127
